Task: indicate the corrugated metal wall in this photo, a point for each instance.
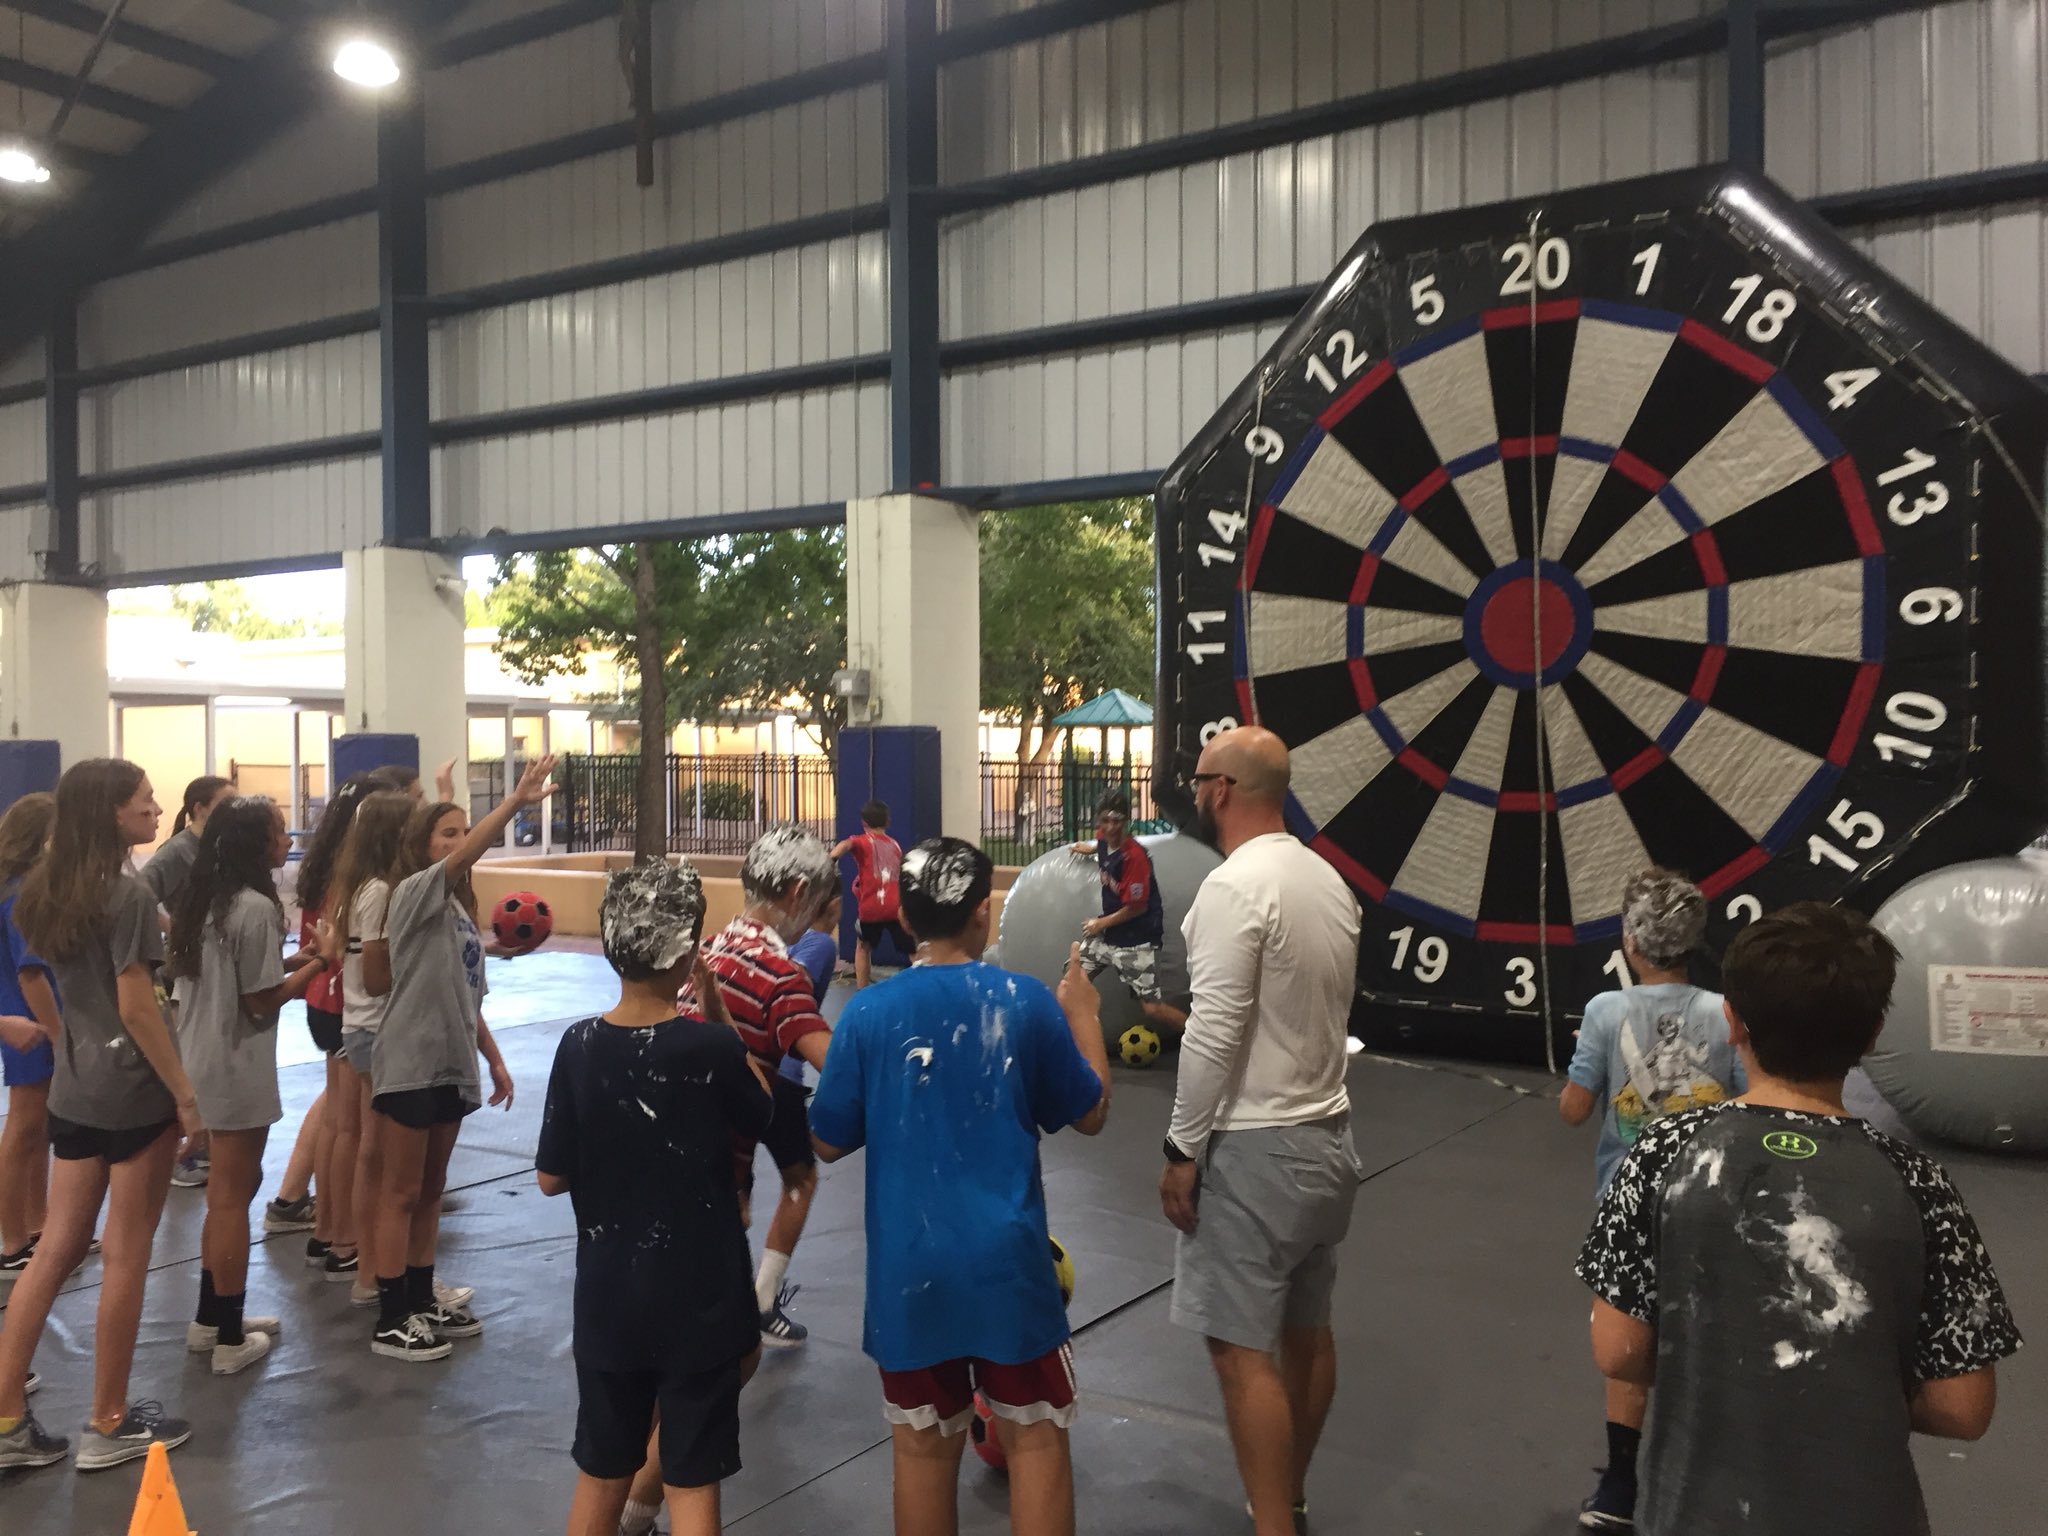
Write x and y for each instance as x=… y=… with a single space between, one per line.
x=809 y=304
x=572 y=81
x=24 y=367
x=766 y=168
x=295 y=395
x=1946 y=91
x=332 y=150
x=22 y=446
x=1249 y=223
x=279 y=514
x=792 y=451
x=310 y=274
x=1954 y=88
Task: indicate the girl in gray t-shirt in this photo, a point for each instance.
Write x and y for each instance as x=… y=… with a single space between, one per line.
x=423 y=1074
x=226 y=940
x=116 y=1103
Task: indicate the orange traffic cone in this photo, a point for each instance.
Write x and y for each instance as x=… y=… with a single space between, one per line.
x=157 y=1509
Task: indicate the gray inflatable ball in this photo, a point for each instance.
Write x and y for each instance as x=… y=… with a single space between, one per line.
x=1964 y=1051
x=1059 y=891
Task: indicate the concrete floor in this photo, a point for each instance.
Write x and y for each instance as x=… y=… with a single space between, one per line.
x=1467 y=1405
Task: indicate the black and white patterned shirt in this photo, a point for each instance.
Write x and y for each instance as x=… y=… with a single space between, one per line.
x=1803 y=1273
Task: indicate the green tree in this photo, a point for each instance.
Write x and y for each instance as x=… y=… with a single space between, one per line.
x=705 y=630
x=1066 y=611
x=224 y=608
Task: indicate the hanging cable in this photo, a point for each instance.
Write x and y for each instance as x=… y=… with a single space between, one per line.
x=1544 y=1001
x=92 y=57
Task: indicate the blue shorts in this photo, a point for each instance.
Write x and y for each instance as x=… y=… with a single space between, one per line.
x=25 y=1069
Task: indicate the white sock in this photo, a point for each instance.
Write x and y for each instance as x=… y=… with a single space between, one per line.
x=773 y=1267
x=638 y=1519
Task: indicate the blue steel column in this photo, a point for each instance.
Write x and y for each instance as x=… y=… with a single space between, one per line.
x=402 y=313
x=60 y=541
x=1745 y=85
x=913 y=244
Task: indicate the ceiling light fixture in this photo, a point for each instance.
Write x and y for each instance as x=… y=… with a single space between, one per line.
x=19 y=165
x=366 y=62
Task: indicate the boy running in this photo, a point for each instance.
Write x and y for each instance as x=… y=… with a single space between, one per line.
x=1126 y=936
x=1803 y=1290
x=877 y=892
x=948 y=1074
x=785 y=877
x=1650 y=1050
x=642 y=1111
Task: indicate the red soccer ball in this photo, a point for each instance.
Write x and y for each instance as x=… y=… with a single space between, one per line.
x=522 y=921
x=983 y=1432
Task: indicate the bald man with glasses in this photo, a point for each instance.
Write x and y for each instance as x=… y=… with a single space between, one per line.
x=1260 y=1170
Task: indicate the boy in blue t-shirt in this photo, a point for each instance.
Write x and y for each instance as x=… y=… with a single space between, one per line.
x=948 y=1073
x=1654 y=1049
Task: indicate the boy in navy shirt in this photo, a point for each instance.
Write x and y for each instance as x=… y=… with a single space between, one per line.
x=642 y=1111
x=948 y=1074
x=1126 y=936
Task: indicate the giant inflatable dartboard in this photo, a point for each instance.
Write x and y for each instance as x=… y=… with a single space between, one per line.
x=1647 y=523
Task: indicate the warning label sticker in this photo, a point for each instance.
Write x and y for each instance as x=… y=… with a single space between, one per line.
x=1993 y=1010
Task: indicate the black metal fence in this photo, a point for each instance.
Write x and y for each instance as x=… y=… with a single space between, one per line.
x=721 y=804
x=1029 y=808
x=713 y=804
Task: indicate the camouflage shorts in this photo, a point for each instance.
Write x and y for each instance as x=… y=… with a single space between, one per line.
x=1136 y=965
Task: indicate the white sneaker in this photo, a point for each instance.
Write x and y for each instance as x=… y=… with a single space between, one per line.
x=453 y=1296
x=231 y=1358
x=199 y=1337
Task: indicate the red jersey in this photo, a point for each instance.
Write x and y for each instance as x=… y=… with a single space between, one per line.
x=877 y=861
x=767 y=993
x=325 y=992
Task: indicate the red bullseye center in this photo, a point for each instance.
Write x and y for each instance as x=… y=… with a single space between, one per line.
x=1508 y=627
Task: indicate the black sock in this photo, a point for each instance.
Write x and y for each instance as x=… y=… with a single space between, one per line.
x=391 y=1301
x=227 y=1311
x=419 y=1287
x=208 y=1315
x=1621 y=1452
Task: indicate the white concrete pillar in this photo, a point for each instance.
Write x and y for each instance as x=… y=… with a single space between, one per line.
x=404 y=652
x=53 y=668
x=913 y=619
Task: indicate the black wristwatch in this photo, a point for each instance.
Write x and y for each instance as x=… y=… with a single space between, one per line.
x=1175 y=1155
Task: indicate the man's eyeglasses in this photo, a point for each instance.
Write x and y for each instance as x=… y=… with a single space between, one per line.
x=1197 y=780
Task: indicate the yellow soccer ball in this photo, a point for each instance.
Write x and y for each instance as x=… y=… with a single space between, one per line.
x=1063 y=1266
x=1138 y=1046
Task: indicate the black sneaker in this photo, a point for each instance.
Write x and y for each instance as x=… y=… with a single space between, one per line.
x=289 y=1215
x=27 y=1445
x=453 y=1321
x=340 y=1266
x=14 y=1265
x=411 y=1338
x=130 y=1440
x=778 y=1329
x=1612 y=1506
x=317 y=1249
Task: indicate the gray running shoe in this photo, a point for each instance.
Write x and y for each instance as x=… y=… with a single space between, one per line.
x=130 y=1440
x=26 y=1445
x=289 y=1215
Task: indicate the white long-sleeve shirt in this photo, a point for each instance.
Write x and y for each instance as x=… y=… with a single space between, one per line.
x=1273 y=958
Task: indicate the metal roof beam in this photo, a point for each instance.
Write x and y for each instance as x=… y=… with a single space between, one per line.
x=128 y=34
x=100 y=98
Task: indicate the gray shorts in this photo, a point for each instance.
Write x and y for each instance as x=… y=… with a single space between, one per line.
x=1136 y=965
x=357 y=1045
x=1274 y=1203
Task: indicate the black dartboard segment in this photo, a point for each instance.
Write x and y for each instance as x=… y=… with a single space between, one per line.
x=1643 y=524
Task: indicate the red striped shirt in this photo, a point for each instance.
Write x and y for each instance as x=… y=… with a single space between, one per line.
x=766 y=992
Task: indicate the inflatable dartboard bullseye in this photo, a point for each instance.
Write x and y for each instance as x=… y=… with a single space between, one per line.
x=1645 y=523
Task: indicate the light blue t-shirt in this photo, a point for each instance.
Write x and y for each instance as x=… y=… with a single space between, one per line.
x=947 y=1074
x=1648 y=1052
